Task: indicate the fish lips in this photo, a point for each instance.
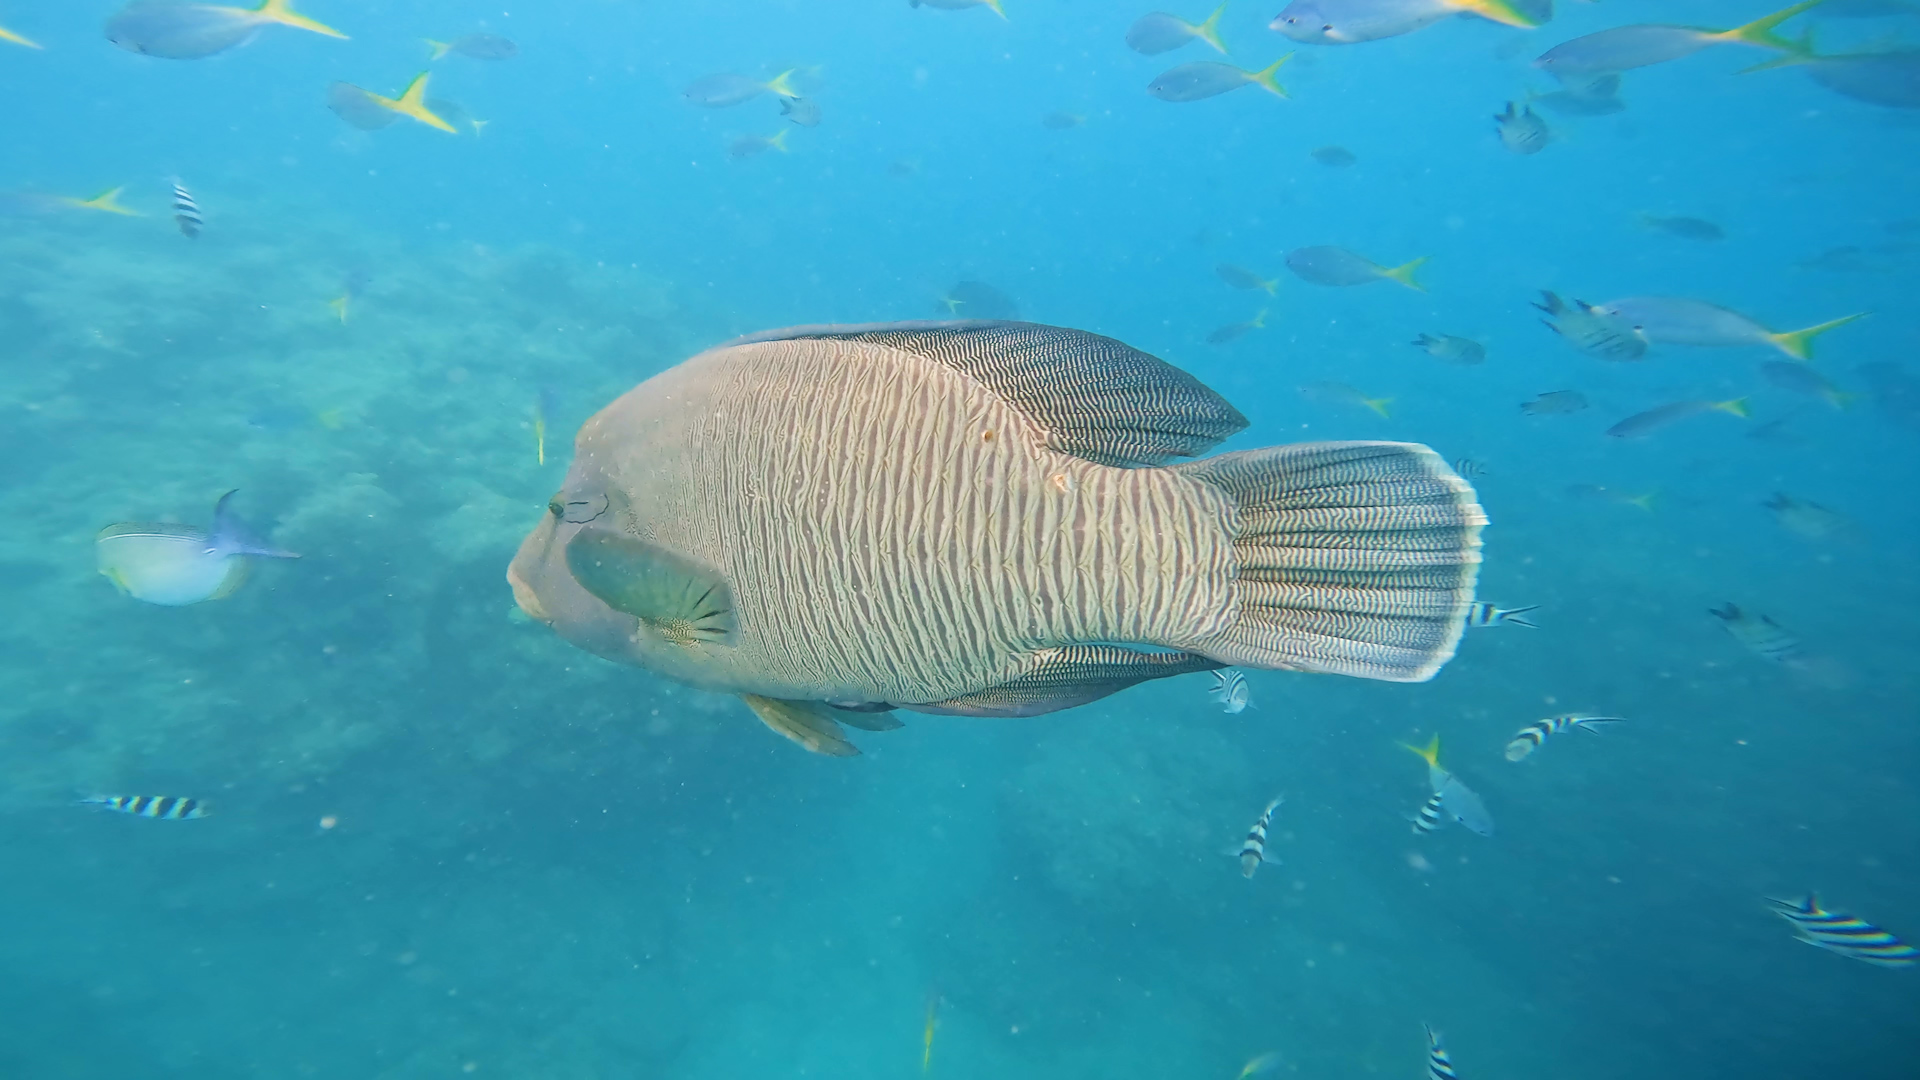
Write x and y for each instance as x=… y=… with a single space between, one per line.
x=545 y=589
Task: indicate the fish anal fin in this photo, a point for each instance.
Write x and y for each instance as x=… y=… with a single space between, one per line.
x=684 y=602
x=1062 y=678
x=809 y=723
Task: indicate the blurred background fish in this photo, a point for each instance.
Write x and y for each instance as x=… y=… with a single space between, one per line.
x=1686 y=228
x=187 y=31
x=1333 y=157
x=1642 y=424
x=1207 y=78
x=1343 y=394
x=725 y=89
x=173 y=565
x=1158 y=32
x=1327 y=265
x=186 y=212
x=1451 y=348
x=1521 y=129
x=1230 y=691
x=475 y=47
x=978 y=300
x=1241 y=278
x=1808 y=520
x=1555 y=403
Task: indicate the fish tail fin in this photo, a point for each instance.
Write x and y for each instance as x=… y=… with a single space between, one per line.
x=1512 y=615
x=1352 y=558
x=109 y=202
x=440 y=49
x=808 y=723
x=779 y=141
x=1209 y=31
x=1840 y=399
x=234 y=537
x=1379 y=405
x=1644 y=502
x=1272 y=287
x=1265 y=77
x=477 y=124
x=413 y=103
x=281 y=11
x=1736 y=406
x=1260 y=319
x=997 y=9
x=1500 y=11
x=339 y=305
x=1405 y=271
x=8 y=35
x=1760 y=31
x=782 y=84
x=1429 y=753
x=1799 y=343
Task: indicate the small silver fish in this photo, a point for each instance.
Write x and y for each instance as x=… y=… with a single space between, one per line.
x=1555 y=403
x=1761 y=635
x=1451 y=348
x=1602 y=493
x=1845 y=934
x=1232 y=332
x=1522 y=131
x=802 y=111
x=1345 y=395
x=1336 y=266
x=725 y=89
x=1529 y=738
x=162 y=807
x=1253 y=850
x=1678 y=320
x=747 y=146
x=1600 y=97
x=476 y=47
x=1623 y=48
x=1808 y=520
x=1642 y=424
x=1210 y=78
x=1230 y=691
x=1158 y=32
x=959 y=5
x=1591 y=330
x=1482 y=614
x=186 y=212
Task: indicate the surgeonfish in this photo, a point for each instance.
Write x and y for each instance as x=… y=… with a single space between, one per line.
x=475 y=47
x=959 y=5
x=802 y=111
x=163 y=807
x=174 y=30
x=1160 y=32
x=1210 y=78
x=975 y=518
x=1232 y=332
x=1555 y=403
x=1521 y=129
x=107 y=202
x=1674 y=320
x=1483 y=614
x=1896 y=394
x=369 y=111
x=747 y=146
x=1623 y=48
x=1451 y=348
x=1346 y=395
x=1642 y=424
x=1349 y=22
x=725 y=90
x=1430 y=816
x=1253 y=850
x=1686 y=228
x=186 y=212
x=1328 y=265
x=1760 y=634
x=1241 y=278
x=174 y=565
x=1808 y=520
x=1230 y=691
x=1845 y=934
x=1528 y=739
x=1591 y=330
x=8 y=35
x=1439 y=1062
x=1459 y=801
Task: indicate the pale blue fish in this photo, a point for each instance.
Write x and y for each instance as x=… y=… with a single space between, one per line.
x=725 y=90
x=1452 y=348
x=1591 y=330
x=175 y=565
x=1159 y=32
x=1349 y=22
x=1760 y=634
x=1336 y=266
x=1623 y=48
x=959 y=5
x=1676 y=320
x=1890 y=78
x=188 y=31
x=1802 y=379
x=1641 y=424
x=1208 y=78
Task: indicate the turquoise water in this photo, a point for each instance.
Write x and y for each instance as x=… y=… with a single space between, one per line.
x=445 y=843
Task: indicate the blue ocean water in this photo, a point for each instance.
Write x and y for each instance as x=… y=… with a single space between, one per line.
x=445 y=843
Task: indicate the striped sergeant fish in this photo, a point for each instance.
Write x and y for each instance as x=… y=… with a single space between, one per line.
x=166 y=807
x=186 y=212
x=1469 y=468
x=1253 y=850
x=1230 y=690
x=1529 y=738
x=1759 y=634
x=1430 y=815
x=1439 y=1062
x=1842 y=933
x=1481 y=614
x=1451 y=796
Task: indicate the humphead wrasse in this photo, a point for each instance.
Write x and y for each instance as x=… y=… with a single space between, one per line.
x=981 y=519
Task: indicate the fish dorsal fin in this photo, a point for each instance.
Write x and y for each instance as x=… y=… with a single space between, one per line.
x=809 y=723
x=1096 y=398
x=687 y=603
x=1073 y=675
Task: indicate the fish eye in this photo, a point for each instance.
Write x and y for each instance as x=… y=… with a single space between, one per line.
x=555 y=506
x=579 y=511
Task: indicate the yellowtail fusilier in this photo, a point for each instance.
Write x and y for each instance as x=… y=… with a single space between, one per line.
x=1346 y=395
x=1836 y=931
x=1260 y=1066
x=355 y=105
x=1529 y=738
x=1208 y=78
x=1623 y=48
x=1555 y=403
x=9 y=36
x=1456 y=799
x=186 y=212
x=747 y=146
x=727 y=89
x=1675 y=320
x=1521 y=129
x=1336 y=266
x=475 y=47
x=1241 y=278
x=1439 y=1062
x=1483 y=614
x=1760 y=634
x=1686 y=228
x=183 y=31
x=1160 y=32
x=1802 y=379
x=1451 y=348
x=162 y=807
x=173 y=565
x=1603 y=493
x=1006 y=532
x=1232 y=332
x=1808 y=520
x=1349 y=22
x=1253 y=850
x=1642 y=424
x=1230 y=691
x=1591 y=330
x=107 y=202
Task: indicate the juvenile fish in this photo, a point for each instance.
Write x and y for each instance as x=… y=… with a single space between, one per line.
x=1230 y=691
x=1676 y=320
x=1624 y=48
x=802 y=111
x=1642 y=424
x=1482 y=614
x=173 y=565
x=725 y=89
x=1452 y=349
x=1761 y=635
x=1345 y=395
x=1521 y=129
x=1603 y=493
x=979 y=300
x=1336 y=266
x=476 y=47
x=1253 y=850
x=1349 y=22
x=1160 y=32
x=1686 y=228
x=1242 y=278
x=1529 y=738
x=1209 y=78
x=1555 y=403
x=162 y=807
x=1591 y=330
x=182 y=31
x=186 y=212
x=1852 y=937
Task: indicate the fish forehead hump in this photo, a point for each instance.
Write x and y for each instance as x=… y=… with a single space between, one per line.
x=890 y=527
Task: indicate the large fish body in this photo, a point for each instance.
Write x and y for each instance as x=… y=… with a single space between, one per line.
x=1349 y=22
x=977 y=519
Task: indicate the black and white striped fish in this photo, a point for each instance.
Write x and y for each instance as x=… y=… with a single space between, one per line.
x=1230 y=690
x=1529 y=738
x=1760 y=634
x=1253 y=850
x=1431 y=815
x=1468 y=468
x=165 y=807
x=185 y=211
x=1480 y=614
x=1439 y=1062
x=1842 y=933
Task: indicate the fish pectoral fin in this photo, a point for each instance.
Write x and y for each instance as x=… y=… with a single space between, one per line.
x=1072 y=675
x=866 y=719
x=809 y=723
x=685 y=602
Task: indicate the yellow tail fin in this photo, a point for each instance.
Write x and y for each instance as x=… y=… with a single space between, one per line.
x=1265 y=77
x=779 y=84
x=1736 y=406
x=340 y=306
x=413 y=103
x=1760 y=31
x=1430 y=752
x=779 y=142
x=1404 y=273
x=1499 y=11
x=1209 y=31
x=997 y=9
x=1799 y=343
x=440 y=49
x=1644 y=502
x=281 y=11
x=8 y=35
x=106 y=201
x=1260 y=320
x=1272 y=287
x=1378 y=404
